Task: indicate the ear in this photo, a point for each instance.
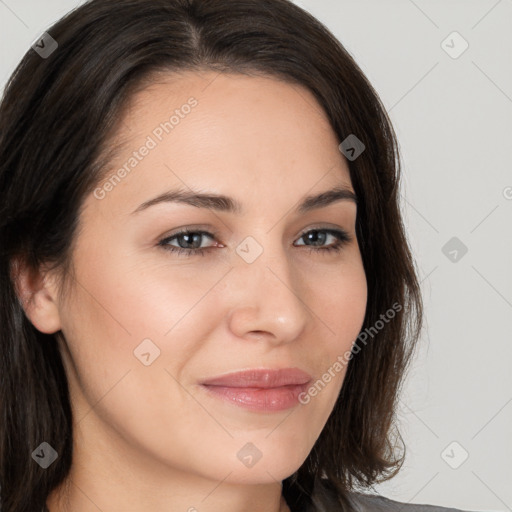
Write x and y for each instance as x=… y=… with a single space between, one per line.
x=37 y=292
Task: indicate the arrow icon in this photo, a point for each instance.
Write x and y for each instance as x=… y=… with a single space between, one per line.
x=146 y=352
x=40 y=44
x=454 y=455
x=44 y=455
x=454 y=45
x=351 y=147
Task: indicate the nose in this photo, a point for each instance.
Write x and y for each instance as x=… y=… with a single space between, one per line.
x=267 y=300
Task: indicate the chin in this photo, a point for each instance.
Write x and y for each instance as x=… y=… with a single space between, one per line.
x=264 y=474
x=275 y=467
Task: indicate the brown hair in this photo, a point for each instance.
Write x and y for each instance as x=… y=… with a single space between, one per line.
x=55 y=119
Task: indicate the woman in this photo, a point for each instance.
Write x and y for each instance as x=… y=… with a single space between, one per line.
x=169 y=340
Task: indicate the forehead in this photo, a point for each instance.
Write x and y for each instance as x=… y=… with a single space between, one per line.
x=225 y=132
x=251 y=110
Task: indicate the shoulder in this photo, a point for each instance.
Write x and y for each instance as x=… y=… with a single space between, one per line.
x=376 y=503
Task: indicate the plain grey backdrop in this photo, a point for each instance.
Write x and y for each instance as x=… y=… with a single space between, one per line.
x=443 y=70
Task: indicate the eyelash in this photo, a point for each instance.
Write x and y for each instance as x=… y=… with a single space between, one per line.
x=342 y=236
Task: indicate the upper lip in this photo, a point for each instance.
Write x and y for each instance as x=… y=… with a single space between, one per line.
x=260 y=378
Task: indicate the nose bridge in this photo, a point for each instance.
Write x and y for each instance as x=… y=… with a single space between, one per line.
x=267 y=298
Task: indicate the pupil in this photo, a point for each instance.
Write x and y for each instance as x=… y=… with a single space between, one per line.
x=193 y=236
x=313 y=236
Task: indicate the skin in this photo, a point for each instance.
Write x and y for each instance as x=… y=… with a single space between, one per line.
x=149 y=437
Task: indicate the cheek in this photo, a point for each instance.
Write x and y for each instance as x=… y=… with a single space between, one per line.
x=142 y=324
x=130 y=301
x=155 y=298
x=341 y=300
x=111 y=315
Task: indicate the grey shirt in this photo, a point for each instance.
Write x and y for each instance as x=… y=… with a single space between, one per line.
x=374 y=503
x=325 y=500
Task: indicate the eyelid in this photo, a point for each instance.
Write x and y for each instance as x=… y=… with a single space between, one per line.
x=207 y=230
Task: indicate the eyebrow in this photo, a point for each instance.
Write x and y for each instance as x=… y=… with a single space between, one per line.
x=227 y=204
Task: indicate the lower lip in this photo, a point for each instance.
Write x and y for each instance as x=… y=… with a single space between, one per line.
x=260 y=399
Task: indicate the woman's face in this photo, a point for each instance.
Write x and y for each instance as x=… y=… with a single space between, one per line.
x=145 y=326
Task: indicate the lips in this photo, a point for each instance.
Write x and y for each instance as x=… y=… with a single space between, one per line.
x=261 y=378
x=260 y=390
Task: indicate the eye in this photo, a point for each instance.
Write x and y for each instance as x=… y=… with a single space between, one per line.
x=189 y=241
x=318 y=236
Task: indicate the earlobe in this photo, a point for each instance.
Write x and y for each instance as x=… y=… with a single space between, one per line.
x=37 y=293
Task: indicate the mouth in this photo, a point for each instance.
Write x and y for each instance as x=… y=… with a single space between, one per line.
x=263 y=390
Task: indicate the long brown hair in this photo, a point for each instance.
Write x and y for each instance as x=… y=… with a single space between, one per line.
x=56 y=116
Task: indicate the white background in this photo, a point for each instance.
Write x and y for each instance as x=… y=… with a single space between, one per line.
x=453 y=118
